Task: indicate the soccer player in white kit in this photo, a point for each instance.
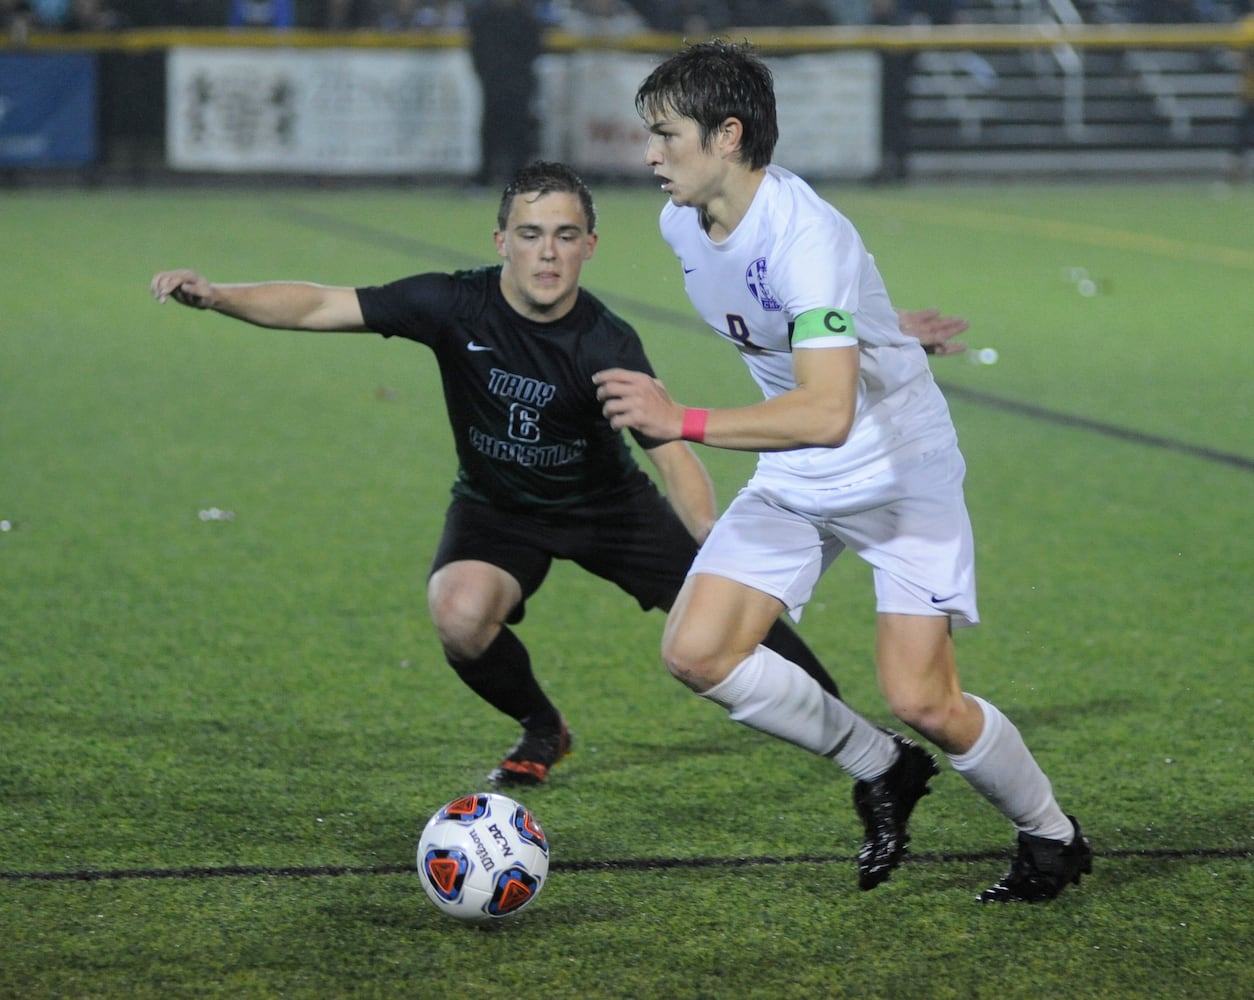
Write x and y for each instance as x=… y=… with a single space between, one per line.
x=856 y=451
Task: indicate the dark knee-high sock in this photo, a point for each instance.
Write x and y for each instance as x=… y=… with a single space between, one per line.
x=502 y=677
x=783 y=640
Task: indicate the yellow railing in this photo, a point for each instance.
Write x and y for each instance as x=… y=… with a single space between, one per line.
x=779 y=40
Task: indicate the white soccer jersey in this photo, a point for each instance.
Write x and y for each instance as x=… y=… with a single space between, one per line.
x=791 y=253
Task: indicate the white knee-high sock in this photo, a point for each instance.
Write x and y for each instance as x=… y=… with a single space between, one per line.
x=1002 y=769
x=774 y=695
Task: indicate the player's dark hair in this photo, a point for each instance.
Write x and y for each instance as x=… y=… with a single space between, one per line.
x=543 y=177
x=710 y=82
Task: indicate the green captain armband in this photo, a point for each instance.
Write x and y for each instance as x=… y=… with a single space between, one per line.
x=818 y=324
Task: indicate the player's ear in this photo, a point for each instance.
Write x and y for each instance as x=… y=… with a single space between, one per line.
x=498 y=238
x=729 y=136
x=590 y=244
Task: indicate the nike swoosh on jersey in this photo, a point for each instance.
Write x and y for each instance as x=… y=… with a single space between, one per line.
x=472 y=346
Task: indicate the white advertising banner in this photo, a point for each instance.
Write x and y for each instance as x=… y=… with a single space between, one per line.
x=589 y=100
x=342 y=111
x=322 y=111
x=828 y=106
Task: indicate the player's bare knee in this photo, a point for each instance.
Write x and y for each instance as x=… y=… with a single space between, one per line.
x=465 y=631
x=464 y=645
x=686 y=671
x=932 y=718
x=692 y=665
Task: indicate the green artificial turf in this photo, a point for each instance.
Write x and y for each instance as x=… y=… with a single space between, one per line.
x=221 y=734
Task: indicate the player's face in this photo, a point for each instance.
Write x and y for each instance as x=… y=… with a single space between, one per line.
x=690 y=173
x=544 y=245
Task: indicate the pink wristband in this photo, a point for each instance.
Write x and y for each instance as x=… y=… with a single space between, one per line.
x=693 y=428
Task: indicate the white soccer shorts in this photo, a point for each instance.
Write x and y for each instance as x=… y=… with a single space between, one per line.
x=910 y=523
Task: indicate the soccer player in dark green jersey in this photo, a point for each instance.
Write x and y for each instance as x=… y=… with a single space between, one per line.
x=541 y=474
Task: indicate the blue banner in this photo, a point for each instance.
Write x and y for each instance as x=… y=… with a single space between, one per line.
x=47 y=109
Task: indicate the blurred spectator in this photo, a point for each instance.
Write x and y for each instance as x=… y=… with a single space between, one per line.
x=550 y=12
x=688 y=17
x=505 y=41
x=603 y=18
x=896 y=65
x=404 y=15
x=15 y=20
x=49 y=15
x=1168 y=12
x=74 y=15
x=930 y=12
x=93 y=15
x=346 y=15
x=261 y=14
x=186 y=13
x=781 y=14
x=849 y=12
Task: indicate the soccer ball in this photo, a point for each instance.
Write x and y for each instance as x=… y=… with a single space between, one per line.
x=483 y=857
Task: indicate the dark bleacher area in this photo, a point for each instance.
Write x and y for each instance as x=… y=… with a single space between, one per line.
x=1073 y=98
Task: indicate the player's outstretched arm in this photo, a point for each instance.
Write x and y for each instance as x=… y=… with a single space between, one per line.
x=288 y=305
x=932 y=330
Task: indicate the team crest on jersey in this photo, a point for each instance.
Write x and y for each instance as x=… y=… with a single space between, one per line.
x=755 y=278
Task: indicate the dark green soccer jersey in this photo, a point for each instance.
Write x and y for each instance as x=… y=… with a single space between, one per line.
x=519 y=394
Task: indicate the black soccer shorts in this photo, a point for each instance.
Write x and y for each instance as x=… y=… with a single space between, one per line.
x=637 y=543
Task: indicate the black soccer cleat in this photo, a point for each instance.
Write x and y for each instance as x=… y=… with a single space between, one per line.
x=885 y=805
x=529 y=762
x=1041 y=869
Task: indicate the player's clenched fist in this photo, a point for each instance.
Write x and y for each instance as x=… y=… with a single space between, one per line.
x=636 y=400
x=183 y=286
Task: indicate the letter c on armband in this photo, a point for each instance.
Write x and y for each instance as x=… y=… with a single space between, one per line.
x=836 y=321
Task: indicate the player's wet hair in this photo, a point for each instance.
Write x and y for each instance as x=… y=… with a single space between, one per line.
x=543 y=177
x=710 y=82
